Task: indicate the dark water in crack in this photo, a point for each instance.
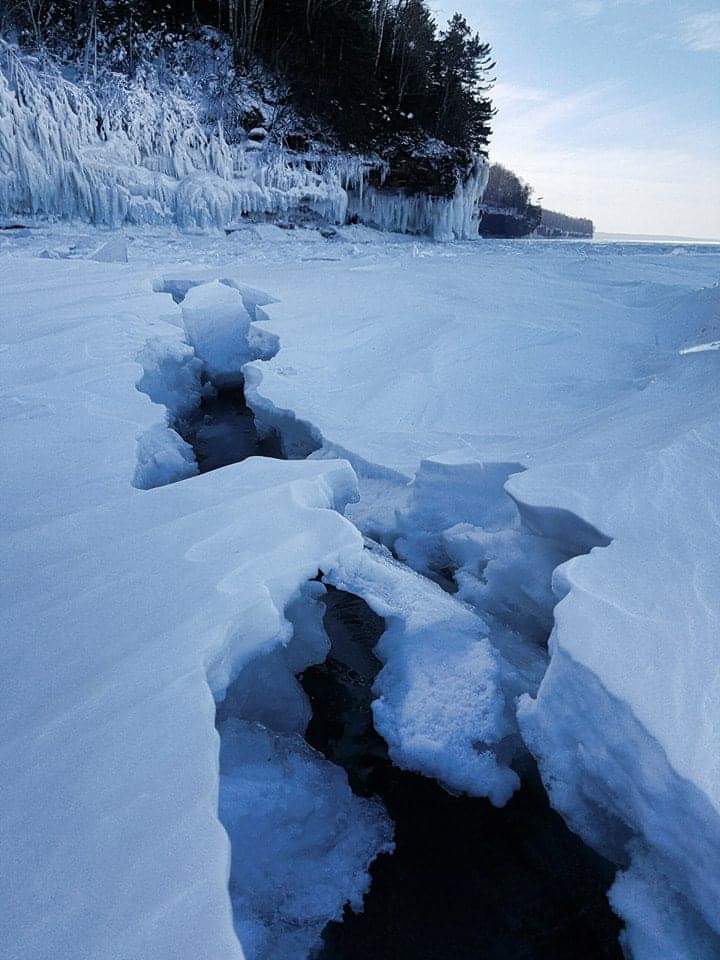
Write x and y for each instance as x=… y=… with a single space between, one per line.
x=222 y=431
x=467 y=881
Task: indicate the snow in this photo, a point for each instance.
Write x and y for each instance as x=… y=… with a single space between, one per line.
x=302 y=852
x=216 y=325
x=112 y=251
x=438 y=705
x=127 y=614
x=527 y=422
x=702 y=347
x=560 y=368
x=658 y=926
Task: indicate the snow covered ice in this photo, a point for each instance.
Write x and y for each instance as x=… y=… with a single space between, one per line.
x=605 y=441
x=439 y=705
x=126 y=611
x=301 y=853
x=526 y=424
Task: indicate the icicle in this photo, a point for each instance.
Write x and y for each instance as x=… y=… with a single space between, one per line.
x=449 y=218
x=142 y=156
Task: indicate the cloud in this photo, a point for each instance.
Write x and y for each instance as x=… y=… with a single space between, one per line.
x=701 y=31
x=587 y=9
x=513 y=94
x=529 y=113
x=595 y=152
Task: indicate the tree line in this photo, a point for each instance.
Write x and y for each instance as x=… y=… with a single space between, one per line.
x=509 y=211
x=554 y=224
x=372 y=70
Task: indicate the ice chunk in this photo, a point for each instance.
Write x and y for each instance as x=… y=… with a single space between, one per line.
x=171 y=375
x=162 y=457
x=267 y=690
x=461 y=528
x=112 y=251
x=450 y=490
x=301 y=841
x=507 y=574
x=217 y=325
x=440 y=704
x=660 y=922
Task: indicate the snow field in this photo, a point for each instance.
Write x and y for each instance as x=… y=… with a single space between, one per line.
x=568 y=452
x=128 y=614
x=562 y=369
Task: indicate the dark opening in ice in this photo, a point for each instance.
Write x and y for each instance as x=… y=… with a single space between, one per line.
x=467 y=881
x=222 y=431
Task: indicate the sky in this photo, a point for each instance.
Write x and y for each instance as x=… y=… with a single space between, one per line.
x=609 y=108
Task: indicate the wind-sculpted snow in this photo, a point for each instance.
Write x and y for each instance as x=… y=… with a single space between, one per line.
x=527 y=424
x=643 y=617
x=566 y=367
x=613 y=783
x=456 y=737
x=127 y=615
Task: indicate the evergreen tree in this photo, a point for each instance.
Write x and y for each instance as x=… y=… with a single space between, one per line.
x=369 y=70
x=462 y=74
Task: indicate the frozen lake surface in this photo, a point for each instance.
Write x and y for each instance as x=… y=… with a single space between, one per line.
x=508 y=450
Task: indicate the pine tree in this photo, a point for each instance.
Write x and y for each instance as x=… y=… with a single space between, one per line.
x=462 y=74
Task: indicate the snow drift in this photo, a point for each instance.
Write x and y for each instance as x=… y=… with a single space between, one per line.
x=129 y=615
x=533 y=445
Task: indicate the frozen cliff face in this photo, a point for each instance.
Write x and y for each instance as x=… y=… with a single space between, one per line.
x=140 y=157
x=145 y=156
x=454 y=217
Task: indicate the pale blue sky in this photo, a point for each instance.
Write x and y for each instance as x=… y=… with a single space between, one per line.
x=610 y=108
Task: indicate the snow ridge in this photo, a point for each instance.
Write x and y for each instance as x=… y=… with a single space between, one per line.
x=612 y=495
x=291 y=871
